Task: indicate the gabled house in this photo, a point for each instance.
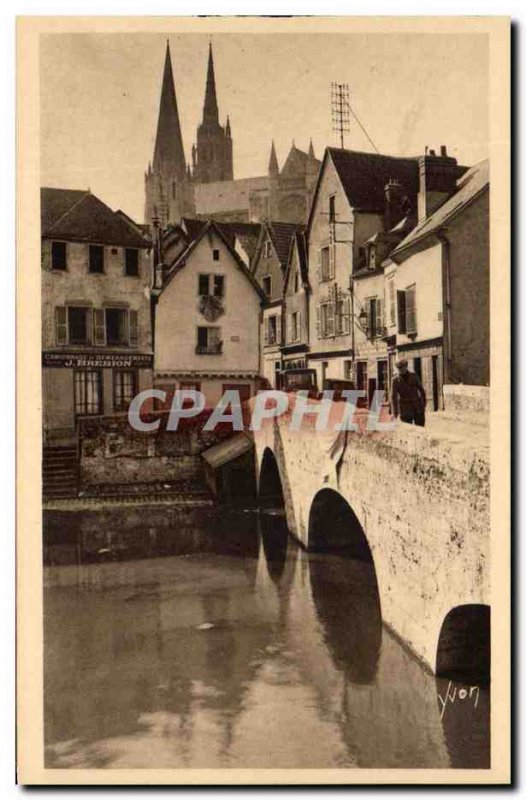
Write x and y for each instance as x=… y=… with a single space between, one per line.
x=296 y=291
x=268 y=267
x=351 y=206
x=207 y=319
x=437 y=281
x=96 y=324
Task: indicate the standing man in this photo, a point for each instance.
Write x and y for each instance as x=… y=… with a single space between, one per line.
x=408 y=398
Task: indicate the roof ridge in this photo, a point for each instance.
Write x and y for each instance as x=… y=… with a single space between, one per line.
x=70 y=209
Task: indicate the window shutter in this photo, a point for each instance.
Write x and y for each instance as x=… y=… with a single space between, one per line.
x=400 y=301
x=99 y=328
x=346 y=314
x=318 y=264
x=318 y=330
x=134 y=332
x=61 y=324
x=332 y=256
x=410 y=311
x=298 y=323
x=379 y=316
x=278 y=329
x=330 y=319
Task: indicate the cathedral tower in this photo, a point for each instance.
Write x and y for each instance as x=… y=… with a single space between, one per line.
x=167 y=182
x=212 y=156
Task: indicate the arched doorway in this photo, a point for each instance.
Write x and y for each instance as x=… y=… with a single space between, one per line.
x=344 y=586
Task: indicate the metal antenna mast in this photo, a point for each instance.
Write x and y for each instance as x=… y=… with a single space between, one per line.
x=340 y=109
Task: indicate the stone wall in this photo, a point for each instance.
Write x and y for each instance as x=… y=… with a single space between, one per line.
x=422 y=499
x=112 y=452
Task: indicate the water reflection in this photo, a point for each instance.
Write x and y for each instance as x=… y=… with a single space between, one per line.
x=346 y=600
x=218 y=642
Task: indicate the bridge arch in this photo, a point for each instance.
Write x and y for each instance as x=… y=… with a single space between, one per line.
x=270 y=485
x=344 y=586
x=464 y=644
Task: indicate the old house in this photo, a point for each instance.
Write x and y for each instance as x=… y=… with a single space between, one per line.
x=96 y=324
x=296 y=291
x=207 y=319
x=437 y=279
x=350 y=208
x=269 y=267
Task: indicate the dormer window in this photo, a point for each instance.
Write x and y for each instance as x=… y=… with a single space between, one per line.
x=372 y=257
x=267 y=249
x=296 y=283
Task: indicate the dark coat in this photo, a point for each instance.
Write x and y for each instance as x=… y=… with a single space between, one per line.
x=407 y=395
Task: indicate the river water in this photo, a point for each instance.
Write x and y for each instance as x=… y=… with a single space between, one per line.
x=188 y=639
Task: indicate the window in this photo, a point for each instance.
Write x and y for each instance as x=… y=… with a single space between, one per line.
x=215 y=255
x=371 y=264
x=343 y=316
x=267 y=249
x=347 y=370
x=58 y=255
x=406 y=301
x=294 y=326
x=267 y=285
x=209 y=341
x=96 y=258
x=78 y=326
x=410 y=309
x=131 y=262
x=211 y=284
x=219 y=285
x=88 y=392
x=392 y=301
x=116 y=327
x=326 y=262
x=375 y=320
x=124 y=388
x=326 y=321
x=332 y=208
x=296 y=283
x=273 y=330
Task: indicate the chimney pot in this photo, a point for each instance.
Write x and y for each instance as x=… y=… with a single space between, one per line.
x=432 y=153
x=443 y=150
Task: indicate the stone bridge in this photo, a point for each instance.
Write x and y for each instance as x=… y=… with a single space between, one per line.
x=414 y=502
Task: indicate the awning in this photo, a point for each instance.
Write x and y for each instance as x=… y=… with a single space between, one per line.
x=228 y=450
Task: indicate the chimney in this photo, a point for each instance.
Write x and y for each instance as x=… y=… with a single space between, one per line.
x=393 y=211
x=438 y=180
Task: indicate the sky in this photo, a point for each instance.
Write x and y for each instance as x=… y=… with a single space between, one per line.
x=100 y=98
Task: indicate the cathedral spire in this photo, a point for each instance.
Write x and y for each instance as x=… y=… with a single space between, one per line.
x=273 y=167
x=169 y=150
x=210 y=111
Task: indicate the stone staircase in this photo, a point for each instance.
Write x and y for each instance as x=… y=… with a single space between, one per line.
x=60 y=472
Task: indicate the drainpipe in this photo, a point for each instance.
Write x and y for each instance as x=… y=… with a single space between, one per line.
x=446 y=302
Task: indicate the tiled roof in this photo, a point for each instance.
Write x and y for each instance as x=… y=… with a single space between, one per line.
x=181 y=260
x=364 y=176
x=77 y=215
x=247 y=233
x=299 y=239
x=281 y=234
x=475 y=180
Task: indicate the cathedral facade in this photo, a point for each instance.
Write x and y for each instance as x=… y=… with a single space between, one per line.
x=207 y=189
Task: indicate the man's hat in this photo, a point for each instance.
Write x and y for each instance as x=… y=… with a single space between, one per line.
x=403 y=362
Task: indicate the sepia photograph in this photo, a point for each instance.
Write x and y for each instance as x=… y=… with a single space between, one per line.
x=263 y=286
